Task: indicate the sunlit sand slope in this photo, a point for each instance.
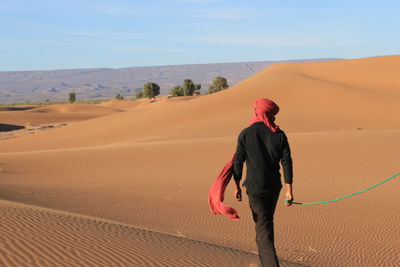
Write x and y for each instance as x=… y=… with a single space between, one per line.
x=163 y=186
x=309 y=102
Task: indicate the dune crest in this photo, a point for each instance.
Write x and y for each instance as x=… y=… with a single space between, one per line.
x=307 y=103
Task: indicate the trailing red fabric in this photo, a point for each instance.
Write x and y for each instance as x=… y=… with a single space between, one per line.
x=265 y=111
x=217 y=192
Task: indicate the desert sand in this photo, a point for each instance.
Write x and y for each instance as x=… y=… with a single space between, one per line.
x=127 y=185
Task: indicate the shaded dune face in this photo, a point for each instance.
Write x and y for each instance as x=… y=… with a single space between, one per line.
x=16 y=108
x=10 y=127
x=149 y=165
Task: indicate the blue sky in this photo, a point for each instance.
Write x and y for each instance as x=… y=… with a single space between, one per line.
x=41 y=35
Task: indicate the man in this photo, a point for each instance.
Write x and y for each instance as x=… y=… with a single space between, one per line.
x=262 y=146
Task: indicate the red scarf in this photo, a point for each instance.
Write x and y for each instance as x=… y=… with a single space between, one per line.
x=265 y=111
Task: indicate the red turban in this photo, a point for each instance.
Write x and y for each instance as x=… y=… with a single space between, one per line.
x=265 y=111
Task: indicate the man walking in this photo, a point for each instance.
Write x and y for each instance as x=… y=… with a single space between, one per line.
x=263 y=146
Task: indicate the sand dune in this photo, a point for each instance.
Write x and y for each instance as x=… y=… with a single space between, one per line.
x=34 y=119
x=307 y=105
x=20 y=86
x=54 y=113
x=76 y=108
x=168 y=194
x=379 y=74
x=150 y=167
x=52 y=238
x=121 y=104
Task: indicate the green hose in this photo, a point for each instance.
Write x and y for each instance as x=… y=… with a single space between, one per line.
x=356 y=193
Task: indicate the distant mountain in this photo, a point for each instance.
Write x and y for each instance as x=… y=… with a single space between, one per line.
x=20 y=86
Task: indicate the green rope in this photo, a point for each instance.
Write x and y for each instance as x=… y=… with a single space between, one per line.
x=356 y=193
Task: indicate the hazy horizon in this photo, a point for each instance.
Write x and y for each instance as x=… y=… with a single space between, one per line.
x=172 y=65
x=22 y=86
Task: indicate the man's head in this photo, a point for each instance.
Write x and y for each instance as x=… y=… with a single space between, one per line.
x=265 y=111
x=264 y=105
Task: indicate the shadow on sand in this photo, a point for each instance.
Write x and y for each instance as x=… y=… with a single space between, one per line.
x=10 y=127
x=16 y=108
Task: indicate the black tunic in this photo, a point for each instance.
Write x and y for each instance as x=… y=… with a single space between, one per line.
x=262 y=150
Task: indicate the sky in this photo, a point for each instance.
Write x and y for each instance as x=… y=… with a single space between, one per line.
x=45 y=35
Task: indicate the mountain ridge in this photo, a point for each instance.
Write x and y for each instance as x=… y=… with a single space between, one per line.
x=21 y=86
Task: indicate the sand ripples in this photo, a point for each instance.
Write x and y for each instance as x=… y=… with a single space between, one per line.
x=41 y=237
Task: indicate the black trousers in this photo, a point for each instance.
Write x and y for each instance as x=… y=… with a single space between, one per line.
x=263 y=209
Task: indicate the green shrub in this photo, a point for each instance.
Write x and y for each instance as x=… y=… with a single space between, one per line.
x=188 y=87
x=218 y=84
x=139 y=95
x=197 y=91
x=151 y=90
x=176 y=91
x=119 y=97
x=71 y=97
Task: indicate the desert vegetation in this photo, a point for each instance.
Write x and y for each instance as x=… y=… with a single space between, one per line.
x=72 y=97
x=150 y=90
x=188 y=88
x=218 y=84
x=119 y=97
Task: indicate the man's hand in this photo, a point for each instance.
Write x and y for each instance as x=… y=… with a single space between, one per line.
x=289 y=195
x=289 y=198
x=238 y=194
